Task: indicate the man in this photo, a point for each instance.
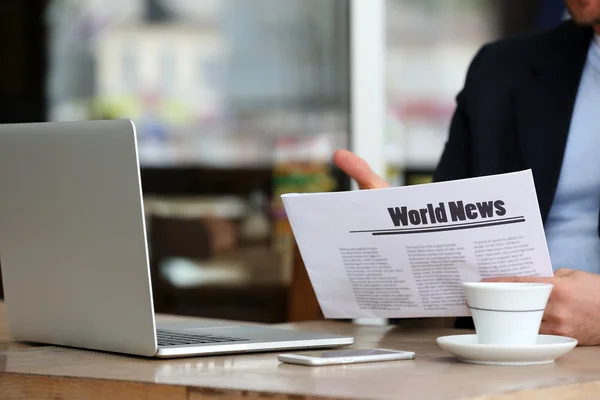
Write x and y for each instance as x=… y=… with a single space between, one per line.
x=534 y=102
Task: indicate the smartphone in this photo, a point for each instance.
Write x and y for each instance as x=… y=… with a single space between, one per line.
x=349 y=356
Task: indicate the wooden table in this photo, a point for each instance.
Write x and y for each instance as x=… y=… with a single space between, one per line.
x=50 y=372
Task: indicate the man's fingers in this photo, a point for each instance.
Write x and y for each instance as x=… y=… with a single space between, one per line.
x=562 y=272
x=359 y=170
x=556 y=328
x=526 y=279
x=552 y=312
x=547 y=327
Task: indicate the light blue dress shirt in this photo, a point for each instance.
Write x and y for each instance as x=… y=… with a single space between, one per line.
x=572 y=224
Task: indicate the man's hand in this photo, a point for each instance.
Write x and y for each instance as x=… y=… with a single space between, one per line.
x=573 y=309
x=359 y=170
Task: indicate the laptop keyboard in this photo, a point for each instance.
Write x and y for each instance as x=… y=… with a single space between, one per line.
x=171 y=338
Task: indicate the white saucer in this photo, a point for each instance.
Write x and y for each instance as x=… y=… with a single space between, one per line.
x=467 y=349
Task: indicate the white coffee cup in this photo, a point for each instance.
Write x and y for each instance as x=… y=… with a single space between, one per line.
x=507 y=313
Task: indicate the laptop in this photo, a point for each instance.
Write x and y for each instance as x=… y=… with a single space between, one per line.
x=74 y=254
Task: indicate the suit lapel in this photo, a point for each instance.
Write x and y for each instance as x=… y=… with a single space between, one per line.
x=544 y=105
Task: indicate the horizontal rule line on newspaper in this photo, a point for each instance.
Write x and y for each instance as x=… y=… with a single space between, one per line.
x=445 y=227
x=449 y=228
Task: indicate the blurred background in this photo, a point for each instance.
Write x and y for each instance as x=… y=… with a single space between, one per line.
x=238 y=101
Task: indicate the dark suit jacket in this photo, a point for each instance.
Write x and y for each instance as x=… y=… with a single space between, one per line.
x=515 y=108
x=514 y=111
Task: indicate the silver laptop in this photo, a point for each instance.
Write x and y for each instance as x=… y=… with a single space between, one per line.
x=74 y=255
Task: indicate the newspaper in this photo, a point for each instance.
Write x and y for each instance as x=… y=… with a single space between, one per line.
x=404 y=252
